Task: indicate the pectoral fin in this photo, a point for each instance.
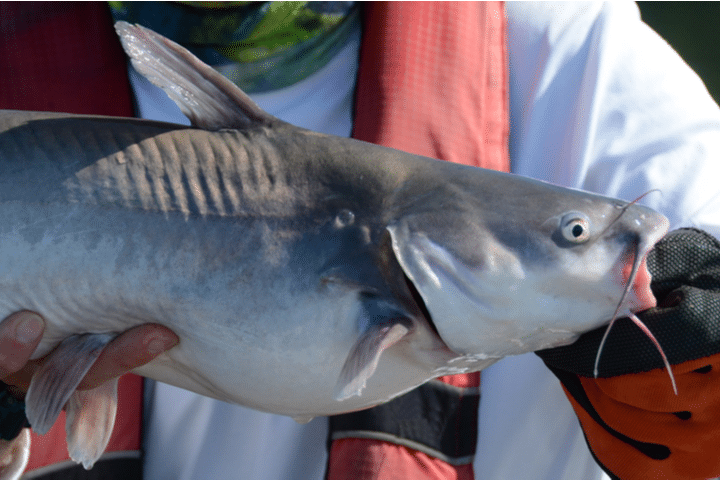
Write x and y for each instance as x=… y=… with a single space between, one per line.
x=54 y=382
x=365 y=355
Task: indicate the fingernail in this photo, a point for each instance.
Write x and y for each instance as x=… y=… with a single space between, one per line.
x=158 y=344
x=29 y=329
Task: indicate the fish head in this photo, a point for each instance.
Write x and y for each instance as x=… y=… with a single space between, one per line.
x=506 y=265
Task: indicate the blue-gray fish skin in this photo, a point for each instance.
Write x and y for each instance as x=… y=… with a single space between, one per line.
x=305 y=274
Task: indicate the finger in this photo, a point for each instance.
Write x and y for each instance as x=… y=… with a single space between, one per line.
x=20 y=334
x=129 y=350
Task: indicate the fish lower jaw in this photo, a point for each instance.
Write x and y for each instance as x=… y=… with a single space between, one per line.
x=497 y=346
x=466 y=364
x=540 y=340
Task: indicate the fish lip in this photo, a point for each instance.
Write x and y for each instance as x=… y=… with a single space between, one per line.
x=642 y=297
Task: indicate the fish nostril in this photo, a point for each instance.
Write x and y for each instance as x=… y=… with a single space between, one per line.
x=344 y=218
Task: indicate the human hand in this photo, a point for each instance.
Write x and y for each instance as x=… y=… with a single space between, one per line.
x=21 y=332
x=634 y=423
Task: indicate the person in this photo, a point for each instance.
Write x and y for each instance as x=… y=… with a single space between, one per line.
x=596 y=101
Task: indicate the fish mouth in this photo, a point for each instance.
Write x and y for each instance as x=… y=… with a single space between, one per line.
x=640 y=298
x=639 y=294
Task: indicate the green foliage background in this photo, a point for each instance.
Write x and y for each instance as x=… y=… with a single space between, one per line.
x=692 y=29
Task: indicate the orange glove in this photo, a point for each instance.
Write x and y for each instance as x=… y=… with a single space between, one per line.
x=635 y=425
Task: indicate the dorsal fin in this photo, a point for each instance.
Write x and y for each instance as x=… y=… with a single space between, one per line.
x=208 y=99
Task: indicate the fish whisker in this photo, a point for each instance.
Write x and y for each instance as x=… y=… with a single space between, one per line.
x=652 y=338
x=631 y=280
x=625 y=208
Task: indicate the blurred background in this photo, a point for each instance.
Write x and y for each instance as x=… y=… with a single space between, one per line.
x=692 y=29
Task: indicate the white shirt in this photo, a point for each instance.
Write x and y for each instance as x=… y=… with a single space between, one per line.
x=597 y=101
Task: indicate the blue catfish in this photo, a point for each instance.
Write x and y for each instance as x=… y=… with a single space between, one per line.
x=305 y=274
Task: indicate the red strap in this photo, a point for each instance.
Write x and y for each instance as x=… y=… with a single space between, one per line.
x=362 y=459
x=65 y=57
x=432 y=81
x=62 y=57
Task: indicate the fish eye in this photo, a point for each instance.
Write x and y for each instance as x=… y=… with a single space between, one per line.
x=575 y=227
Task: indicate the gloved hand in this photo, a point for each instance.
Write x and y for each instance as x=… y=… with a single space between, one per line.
x=635 y=425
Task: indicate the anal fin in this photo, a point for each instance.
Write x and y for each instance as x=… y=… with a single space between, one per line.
x=89 y=421
x=364 y=357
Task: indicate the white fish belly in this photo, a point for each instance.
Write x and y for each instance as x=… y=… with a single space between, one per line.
x=290 y=361
x=249 y=333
